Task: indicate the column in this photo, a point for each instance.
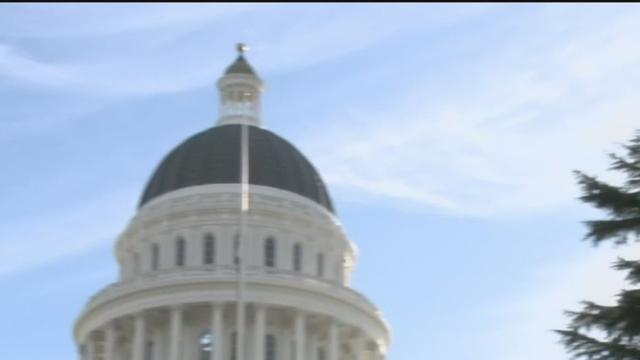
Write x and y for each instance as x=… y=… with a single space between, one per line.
x=259 y=326
x=138 y=337
x=217 y=331
x=109 y=341
x=358 y=347
x=286 y=344
x=333 y=340
x=91 y=348
x=300 y=335
x=381 y=352
x=175 y=340
x=82 y=351
x=312 y=349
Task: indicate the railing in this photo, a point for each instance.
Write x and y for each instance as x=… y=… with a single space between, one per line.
x=226 y=273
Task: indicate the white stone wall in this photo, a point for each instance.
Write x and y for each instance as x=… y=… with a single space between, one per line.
x=240 y=99
x=325 y=303
x=192 y=213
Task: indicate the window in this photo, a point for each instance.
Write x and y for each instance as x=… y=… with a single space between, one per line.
x=149 y=351
x=180 y=250
x=320 y=264
x=236 y=249
x=270 y=347
x=297 y=257
x=155 y=256
x=247 y=97
x=209 y=249
x=270 y=252
x=206 y=346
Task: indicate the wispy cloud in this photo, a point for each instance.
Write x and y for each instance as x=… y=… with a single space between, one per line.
x=169 y=47
x=28 y=243
x=522 y=327
x=91 y=57
x=92 y=20
x=92 y=277
x=318 y=37
x=508 y=140
x=22 y=67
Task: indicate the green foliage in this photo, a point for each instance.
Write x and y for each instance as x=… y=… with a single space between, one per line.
x=598 y=332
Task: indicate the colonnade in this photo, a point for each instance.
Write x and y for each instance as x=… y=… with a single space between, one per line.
x=102 y=343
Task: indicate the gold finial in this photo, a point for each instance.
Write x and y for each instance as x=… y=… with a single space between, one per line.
x=242 y=48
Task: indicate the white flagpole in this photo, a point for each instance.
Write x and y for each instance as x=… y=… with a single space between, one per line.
x=242 y=236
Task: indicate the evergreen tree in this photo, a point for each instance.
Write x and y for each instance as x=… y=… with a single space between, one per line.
x=599 y=332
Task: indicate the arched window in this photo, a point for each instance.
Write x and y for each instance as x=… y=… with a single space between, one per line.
x=149 y=353
x=320 y=264
x=155 y=256
x=236 y=249
x=206 y=346
x=297 y=257
x=209 y=249
x=270 y=348
x=270 y=252
x=180 y=251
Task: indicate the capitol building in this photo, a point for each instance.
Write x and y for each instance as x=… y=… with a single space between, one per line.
x=235 y=253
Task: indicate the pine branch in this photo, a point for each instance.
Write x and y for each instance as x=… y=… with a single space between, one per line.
x=600 y=230
x=618 y=321
x=630 y=167
x=618 y=324
x=630 y=164
x=595 y=316
x=582 y=345
x=607 y=197
x=633 y=268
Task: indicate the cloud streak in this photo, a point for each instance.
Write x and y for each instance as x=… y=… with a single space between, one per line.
x=75 y=21
x=29 y=243
x=522 y=327
x=20 y=66
x=165 y=45
x=504 y=144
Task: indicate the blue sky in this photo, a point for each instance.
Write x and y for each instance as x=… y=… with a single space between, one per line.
x=446 y=133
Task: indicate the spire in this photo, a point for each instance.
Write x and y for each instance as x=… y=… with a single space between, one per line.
x=241 y=66
x=240 y=89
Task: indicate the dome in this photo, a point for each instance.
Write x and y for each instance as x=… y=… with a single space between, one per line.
x=213 y=157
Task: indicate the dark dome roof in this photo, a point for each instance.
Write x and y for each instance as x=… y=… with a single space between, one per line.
x=213 y=157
